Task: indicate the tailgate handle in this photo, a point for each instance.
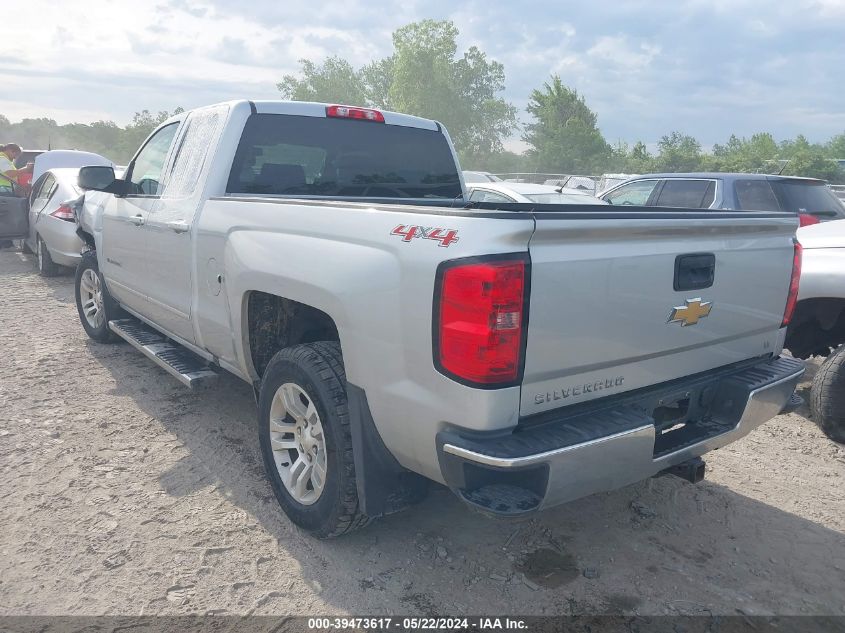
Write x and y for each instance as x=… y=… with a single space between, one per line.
x=694 y=271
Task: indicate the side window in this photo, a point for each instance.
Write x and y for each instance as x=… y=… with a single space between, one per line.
x=45 y=189
x=146 y=171
x=690 y=194
x=756 y=195
x=36 y=188
x=201 y=133
x=477 y=195
x=636 y=193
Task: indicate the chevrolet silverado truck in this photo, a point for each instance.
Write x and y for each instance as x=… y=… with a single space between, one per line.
x=395 y=333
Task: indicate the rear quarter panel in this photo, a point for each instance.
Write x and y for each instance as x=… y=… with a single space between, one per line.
x=344 y=260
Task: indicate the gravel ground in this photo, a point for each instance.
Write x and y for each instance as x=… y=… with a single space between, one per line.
x=124 y=493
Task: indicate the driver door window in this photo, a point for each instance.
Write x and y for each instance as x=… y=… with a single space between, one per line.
x=636 y=193
x=145 y=178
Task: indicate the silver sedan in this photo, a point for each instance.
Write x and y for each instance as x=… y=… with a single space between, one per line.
x=52 y=228
x=528 y=193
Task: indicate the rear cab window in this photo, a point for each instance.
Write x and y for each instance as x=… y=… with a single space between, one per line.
x=809 y=196
x=687 y=193
x=293 y=155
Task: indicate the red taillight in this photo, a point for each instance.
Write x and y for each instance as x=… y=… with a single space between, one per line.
x=479 y=314
x=64 y=212
x=792 y=299
x=806 y=219
x=349 y=112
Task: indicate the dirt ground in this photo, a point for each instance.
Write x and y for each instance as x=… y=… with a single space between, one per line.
x=124 y=493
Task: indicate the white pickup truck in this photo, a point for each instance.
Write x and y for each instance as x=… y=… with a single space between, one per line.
x=396 y=334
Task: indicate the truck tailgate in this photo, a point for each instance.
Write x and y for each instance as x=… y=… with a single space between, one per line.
x=605 y=316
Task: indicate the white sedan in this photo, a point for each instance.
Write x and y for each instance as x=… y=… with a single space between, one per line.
x=528 y=193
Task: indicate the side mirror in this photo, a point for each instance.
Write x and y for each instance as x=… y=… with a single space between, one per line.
x=99 y=178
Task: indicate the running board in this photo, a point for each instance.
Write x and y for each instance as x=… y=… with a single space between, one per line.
x=185 y=366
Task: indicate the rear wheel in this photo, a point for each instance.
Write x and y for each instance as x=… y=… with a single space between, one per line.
x=827 y=396
x=46 y=266
x=93 y=301
x=305 y=439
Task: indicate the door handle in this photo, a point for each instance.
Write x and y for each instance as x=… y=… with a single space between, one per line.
x=178 y=227
x=137 y=220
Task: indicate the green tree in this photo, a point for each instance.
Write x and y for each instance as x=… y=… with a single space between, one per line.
x=564 y=136
x=333 y=81
x=814 y=163
x=757 y=154
x=429 y=80
x=677 y=153
x=836 y=147
x=498 y=163
x=377 y=78
x=425 y=77
x=627 y=159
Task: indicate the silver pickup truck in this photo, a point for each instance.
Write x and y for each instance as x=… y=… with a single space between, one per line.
x=397 y=334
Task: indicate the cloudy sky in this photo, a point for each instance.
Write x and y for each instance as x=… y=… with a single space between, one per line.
x=705 y=67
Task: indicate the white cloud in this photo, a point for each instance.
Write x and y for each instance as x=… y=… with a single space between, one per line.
x=707 y=67
x=622 y=52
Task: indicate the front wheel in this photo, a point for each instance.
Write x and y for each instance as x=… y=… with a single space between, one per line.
x=827 y=396
x=305 y=439
x=93 y=301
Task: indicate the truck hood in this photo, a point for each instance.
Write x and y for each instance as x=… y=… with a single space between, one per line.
x=824 y=235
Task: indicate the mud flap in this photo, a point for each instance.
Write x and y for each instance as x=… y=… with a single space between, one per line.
x=384 y=486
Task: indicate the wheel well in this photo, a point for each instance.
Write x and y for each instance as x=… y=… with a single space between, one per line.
x=86 y=237
x=276 y=322
x=817 y=326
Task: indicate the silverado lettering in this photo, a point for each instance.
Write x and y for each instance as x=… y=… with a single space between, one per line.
x=578 y=390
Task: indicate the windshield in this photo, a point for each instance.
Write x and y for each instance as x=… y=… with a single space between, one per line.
x=809 y=197
x=562 y=198
x=302 y=155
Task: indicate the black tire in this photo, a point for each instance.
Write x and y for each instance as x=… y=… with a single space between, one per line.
x=101 y=333
x=46 y=266
x=827 y=396
x=317 y=368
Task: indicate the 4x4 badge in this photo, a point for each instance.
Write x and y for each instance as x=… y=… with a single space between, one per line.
x=691 y=313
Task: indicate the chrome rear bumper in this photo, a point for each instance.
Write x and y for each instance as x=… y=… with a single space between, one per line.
x=541 y=467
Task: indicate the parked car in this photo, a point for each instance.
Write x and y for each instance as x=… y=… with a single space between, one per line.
x=52 y=224
x=608 y=181
x=44 y=219
x=812 y=199
x=527 y=192
x=818 y=326
x=479 y=176
x=325 y=255
x=586 y=184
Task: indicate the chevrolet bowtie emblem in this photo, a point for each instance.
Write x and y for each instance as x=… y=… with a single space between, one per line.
x=691 y=313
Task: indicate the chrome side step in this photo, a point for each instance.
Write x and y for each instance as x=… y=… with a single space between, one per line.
x=185 y=366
